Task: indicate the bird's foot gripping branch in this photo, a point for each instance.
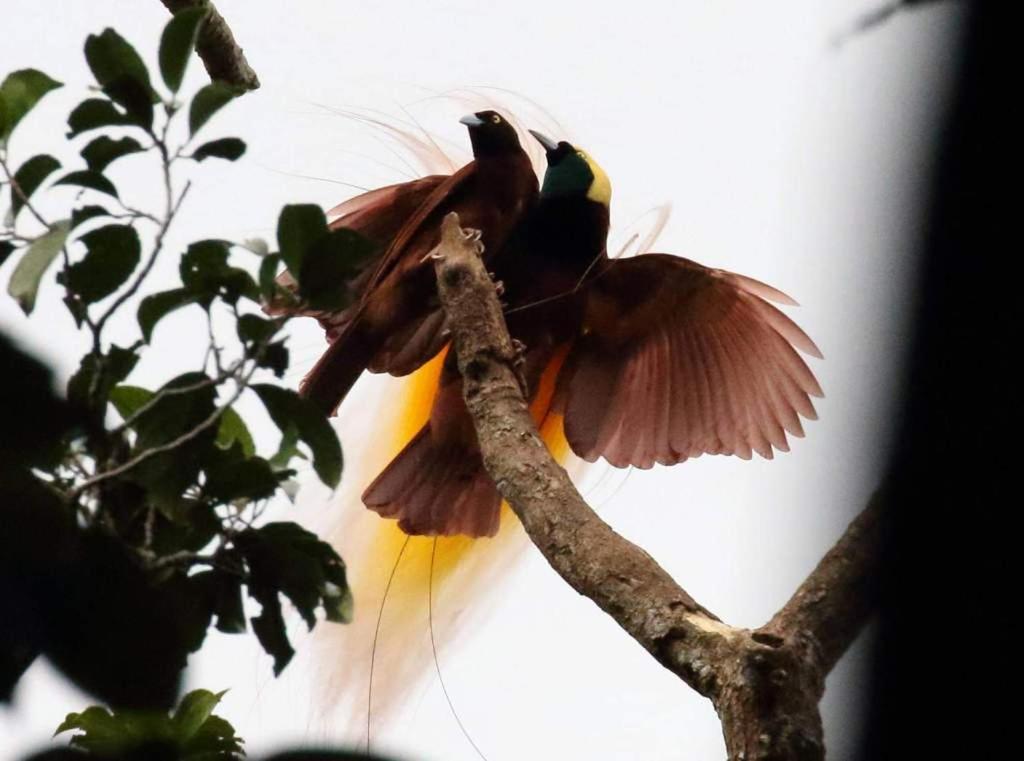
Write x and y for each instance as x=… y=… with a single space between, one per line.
x=764 y=683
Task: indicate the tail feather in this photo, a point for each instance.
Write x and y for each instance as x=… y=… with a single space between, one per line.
x=334 y=374
x=436 y=489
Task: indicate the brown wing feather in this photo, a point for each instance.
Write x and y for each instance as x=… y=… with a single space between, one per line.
x=437 y=484
x=379 y=215
x=389 y=206
x=397 y=250
x=680 y=360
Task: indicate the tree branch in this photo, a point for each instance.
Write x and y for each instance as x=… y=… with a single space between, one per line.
x=620 y=577
x=224 y=59
x=875 y=17
x=765 y=684
x=835 y=601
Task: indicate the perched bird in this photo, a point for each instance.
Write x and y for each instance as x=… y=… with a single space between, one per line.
x=650 y=359
x=396 y=324
x=437 y=484
x=422 y=570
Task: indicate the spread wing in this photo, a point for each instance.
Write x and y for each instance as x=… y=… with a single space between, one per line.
x=379 y=215
x=400 y=251
x=678 y=360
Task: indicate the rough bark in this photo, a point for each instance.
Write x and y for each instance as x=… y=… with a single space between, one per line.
x=223 y=57
x=765 y=684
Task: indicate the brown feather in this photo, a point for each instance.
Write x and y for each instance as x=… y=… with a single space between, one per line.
x=679 y=360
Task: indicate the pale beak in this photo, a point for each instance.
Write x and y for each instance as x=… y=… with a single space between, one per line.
x=547 y=142
x=472 y=120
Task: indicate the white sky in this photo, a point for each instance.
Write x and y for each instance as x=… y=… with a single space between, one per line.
x=783 y=159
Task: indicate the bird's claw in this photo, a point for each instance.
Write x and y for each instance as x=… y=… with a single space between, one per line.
x=518 y=352
x=434 y=253
x=518 y=365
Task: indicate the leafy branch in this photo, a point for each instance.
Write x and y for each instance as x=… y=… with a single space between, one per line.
x=154 y=498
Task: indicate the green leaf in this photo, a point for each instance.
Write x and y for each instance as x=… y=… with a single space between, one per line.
x=95 y=720
x=6 y=249
x=208 y=101
x=269 y=629
x=102 y=151
x=136 y=99
x=329 y=265
x=176 y=414
x=299 y=226
x=88 y=179
x=192 y=733
x=177 y=43
x=29 y=177
x=189 y=525
x=97 y=375
x=230 y=148
x=230 y=609
x=85 y=213
x=128 y=399
x=24 y=282
x=285 y=557
x=287 y=449
x=195 y=708
x=216 y=739
x=157 y=306
x=19 y=93
x=268 y=276
x=113 y=253
x=338 y=604
x=111 y=57
x=322 y=261
x=274 y=357
x=203 y=264
x=287 y=409
x=251 y=479
x=225 y=589
x=205 y=272
x=172 y=417
x=253 y=328
x=122 y=74
x=233 y=428
x=95 y=113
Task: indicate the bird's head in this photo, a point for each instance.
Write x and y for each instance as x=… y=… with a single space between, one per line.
x=490 y=133
x=572 y=172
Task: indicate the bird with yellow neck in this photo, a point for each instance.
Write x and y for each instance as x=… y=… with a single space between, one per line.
x=644 y=360
x=652 y=359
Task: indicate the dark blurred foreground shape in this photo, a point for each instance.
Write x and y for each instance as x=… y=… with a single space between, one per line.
x=944 y=684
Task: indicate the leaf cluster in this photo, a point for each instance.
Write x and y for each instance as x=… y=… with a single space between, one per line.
x=133 y=514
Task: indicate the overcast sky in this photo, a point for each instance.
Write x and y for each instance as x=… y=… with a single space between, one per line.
x=783 y=158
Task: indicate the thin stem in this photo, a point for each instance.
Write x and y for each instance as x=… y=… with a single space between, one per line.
x=186 y=437
x=147 y=267
x=16 y=189
x=175 y=391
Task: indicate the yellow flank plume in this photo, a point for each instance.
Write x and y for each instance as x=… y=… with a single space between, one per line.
x=382 y=557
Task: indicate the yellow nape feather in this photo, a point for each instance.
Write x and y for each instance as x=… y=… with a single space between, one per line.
x=600 y=189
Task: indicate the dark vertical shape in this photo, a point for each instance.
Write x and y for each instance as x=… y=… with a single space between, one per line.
x=943 y=686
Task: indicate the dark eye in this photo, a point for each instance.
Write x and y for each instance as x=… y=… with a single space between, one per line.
x=495 y=118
